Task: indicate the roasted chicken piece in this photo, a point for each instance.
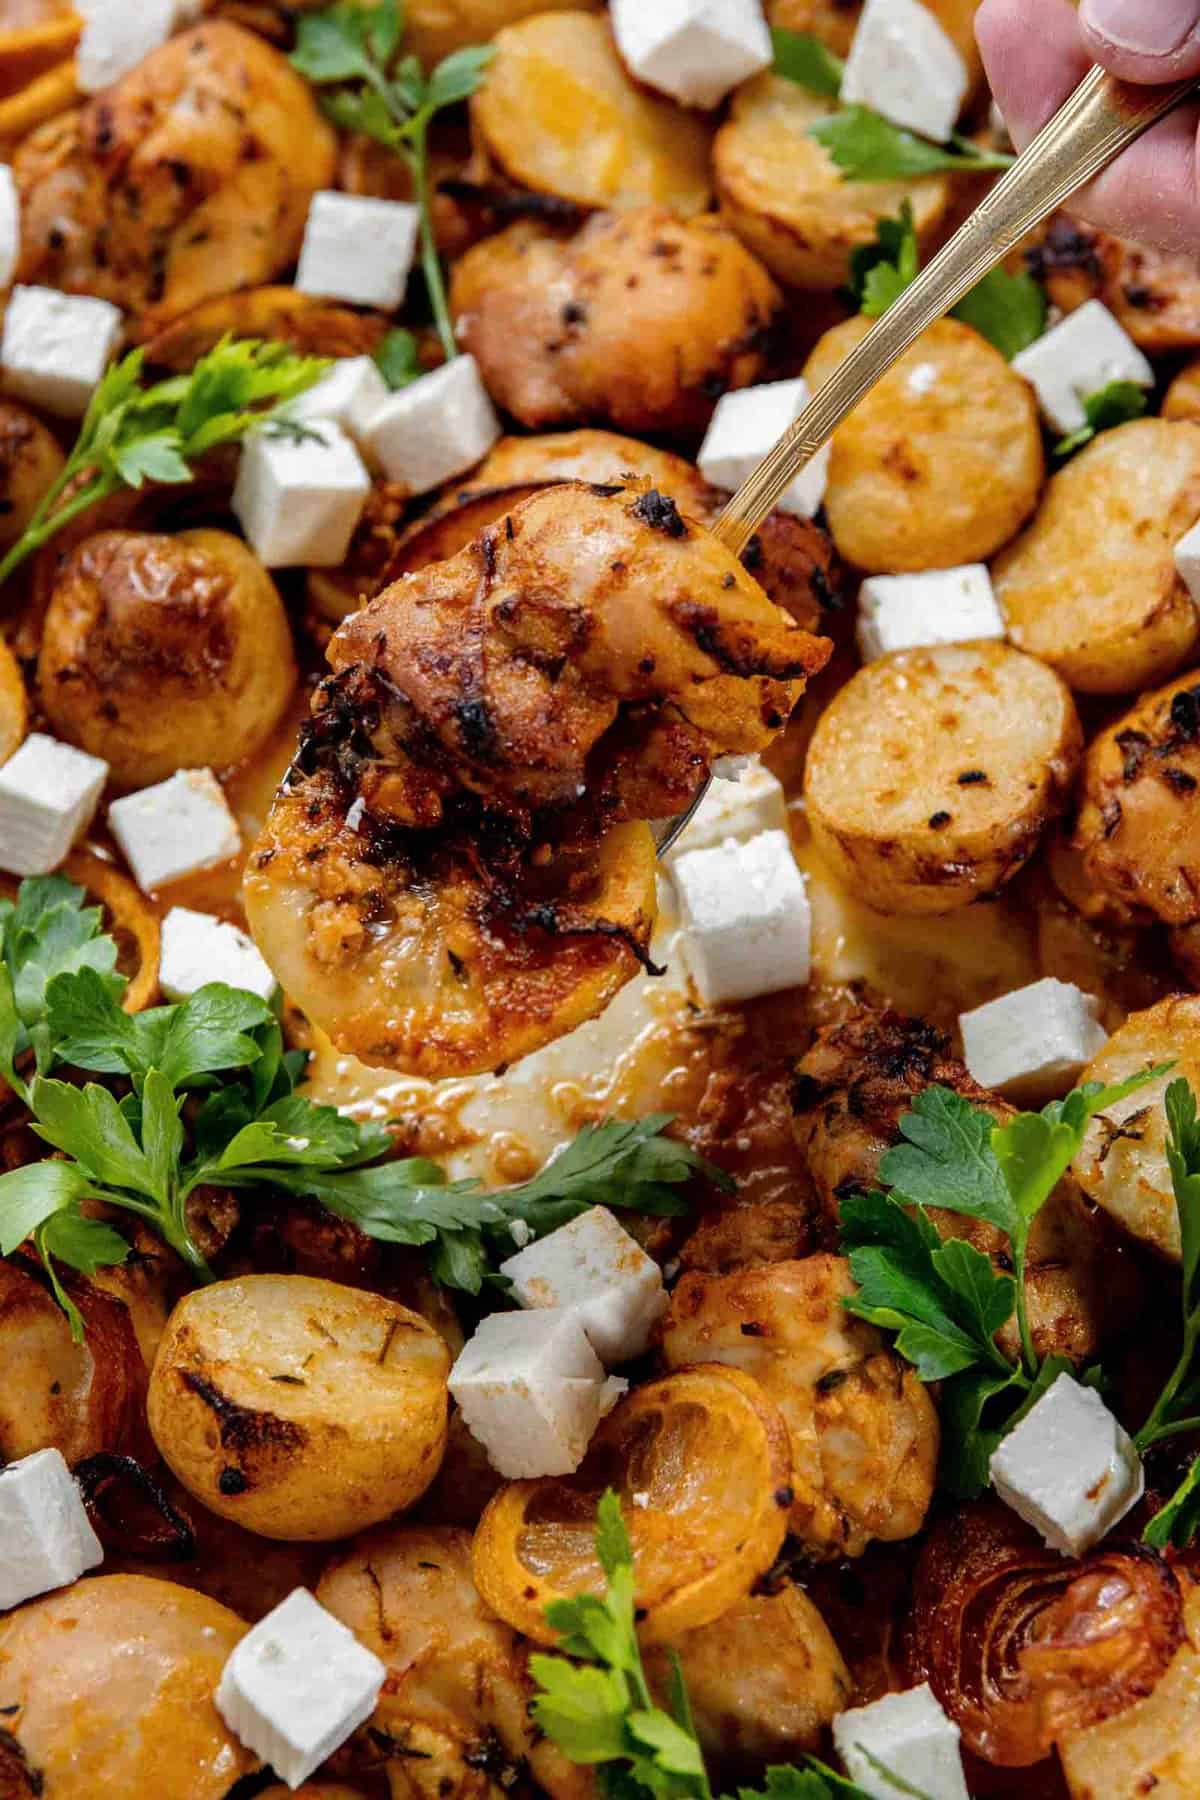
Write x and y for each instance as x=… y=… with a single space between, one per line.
x=459 y=867
x=190 y=177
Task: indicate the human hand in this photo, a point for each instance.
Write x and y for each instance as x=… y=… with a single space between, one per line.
x=1037 y=51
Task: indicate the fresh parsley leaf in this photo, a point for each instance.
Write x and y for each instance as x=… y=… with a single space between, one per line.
x=1177 y=1523
x=88 y=1125
x=83 y=1244
x=1113 y=405
x=47 y=932
x=211 y=1031
x=867 y=147
x=1035 y=1150
x=804 y=59
x=1008 y=310
x=1177 y=1410
x=621 y=1163
x=947 y=1160
x=397 y=359
x=32 y=1194
x=968 y=1439
x=458 y=75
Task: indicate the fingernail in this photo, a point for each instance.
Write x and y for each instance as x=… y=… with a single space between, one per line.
x=1146 y=27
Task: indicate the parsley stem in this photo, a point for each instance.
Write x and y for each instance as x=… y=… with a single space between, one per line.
x=1160 y=1425
x=45 y=524
x=431 y=262
x=1028 y=1354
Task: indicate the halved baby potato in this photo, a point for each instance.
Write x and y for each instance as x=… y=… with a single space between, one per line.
x=1182 y=398
x=933 y=772
x=1091 y=587
x=305 y=323
x=701 y=1463
x=436 y=28
x=30 y=462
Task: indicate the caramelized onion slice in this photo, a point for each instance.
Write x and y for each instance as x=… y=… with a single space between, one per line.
x=1022 y=1645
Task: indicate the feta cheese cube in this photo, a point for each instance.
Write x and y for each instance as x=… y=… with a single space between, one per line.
x=1033 y=1042
x=940 y=606
x=10 y=225
x=175 y=828
x=437 y=427
x=1187 y=560
x=299 y=500
x=1078 y=357
x=531 y=1389
x=909 y=1736
x=358 y=249
x=49 y=793
x=1068 y=1469
x=197 y=949
x=902 y=64
x=56 y=347
x=350 y=394
x=745 y=426
x=736 y=809
x=297 y=1685
x=694 y=50
x=747 y=924
x=116 y=36
x=593 y=1268
x=46 y=1539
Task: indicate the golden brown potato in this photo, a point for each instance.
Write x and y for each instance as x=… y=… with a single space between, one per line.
x=1155 y=294
x=299 y=1408
x=932 y=773
x=1182 y=398
x=1091 y=587
x=863 y=1429
x=162 y=653
x=30 y=462
x=14 y=703
x=190 y=178
x=558 y=113
x=787 y=199
x=1138 y=831
x=107 y=1688
x=434 y=28
x=306 y=323
x=639 y=321
x=941 y=463
x=834 y=22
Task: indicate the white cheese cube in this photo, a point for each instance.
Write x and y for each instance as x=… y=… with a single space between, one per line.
x=48 y=795
x=46 y=1539
x=116 y=35
x=436 y=428
x=940 y=606
x=1187 y=560
x=1032 y=1043
x=197 y=949
x=56 y=347
x=746 y=425
x=531 y=1390
x=902 y=64
x=736 y=809
x=358 y=249
x=593 y=1268
x=909 y=1736
x=297 y=1685
x=175 y=828
x=1078 y=357
x=1068 y=1469
x=694 y=50
x=350 y=394
x=299 y=500
x=747 y=924
x=10 y=225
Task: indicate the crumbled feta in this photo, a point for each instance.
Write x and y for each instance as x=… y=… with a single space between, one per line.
x=747 y=924
x=1078 y=357
x=530 y=1388
x=116 y=35
x=46 y=1539
x=746 y=425
x=735 y=810
x=1187 y=560
x=1068 y=1469
x=436 y=428
x=175 y=828
x=903 y=65
x=56 y=347
x=358 y=249
x=10 y=225
x=940 y=606
x=198 y=949
x=593 y=1268
x=297 y=1685
x=49 y=793
x=906 y=1735
x=1032 y=1042
x=350 y=394
x=299 y=499
x=694 y=50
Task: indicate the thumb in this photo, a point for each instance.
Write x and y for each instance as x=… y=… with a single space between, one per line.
x=1143 y=40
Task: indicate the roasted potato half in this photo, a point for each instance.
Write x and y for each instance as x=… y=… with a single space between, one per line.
x=14 y=703
x=1091 y=586
x=787 y=199
x=30 y=462
x=932 y=773
x=941 y=463
x=304 y=322
x=1182 y=398
x=299 y=1408
x=1155 y=294
x=435 y=28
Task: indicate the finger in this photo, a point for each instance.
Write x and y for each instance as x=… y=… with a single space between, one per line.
x=1034 y=58
x=1150 y=193
x=1143 y=40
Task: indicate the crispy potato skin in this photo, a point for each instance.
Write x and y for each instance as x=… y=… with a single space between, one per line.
x=434 y=28
x=941 y=463
x=1154 y=294
x=785 y=197
x=107 y=1688
x=190 y=177
x=888 y=806
x=639 y=321
x=1091 y=587
x=354 y=1432
x=30 y=461
x=162 y=653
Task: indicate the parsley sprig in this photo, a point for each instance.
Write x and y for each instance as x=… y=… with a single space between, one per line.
x=1177 y=1410
x=134 y=432
x=352 y=51
x=1114 y=404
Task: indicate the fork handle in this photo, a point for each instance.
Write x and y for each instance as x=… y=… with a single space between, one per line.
x=1101 y=117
